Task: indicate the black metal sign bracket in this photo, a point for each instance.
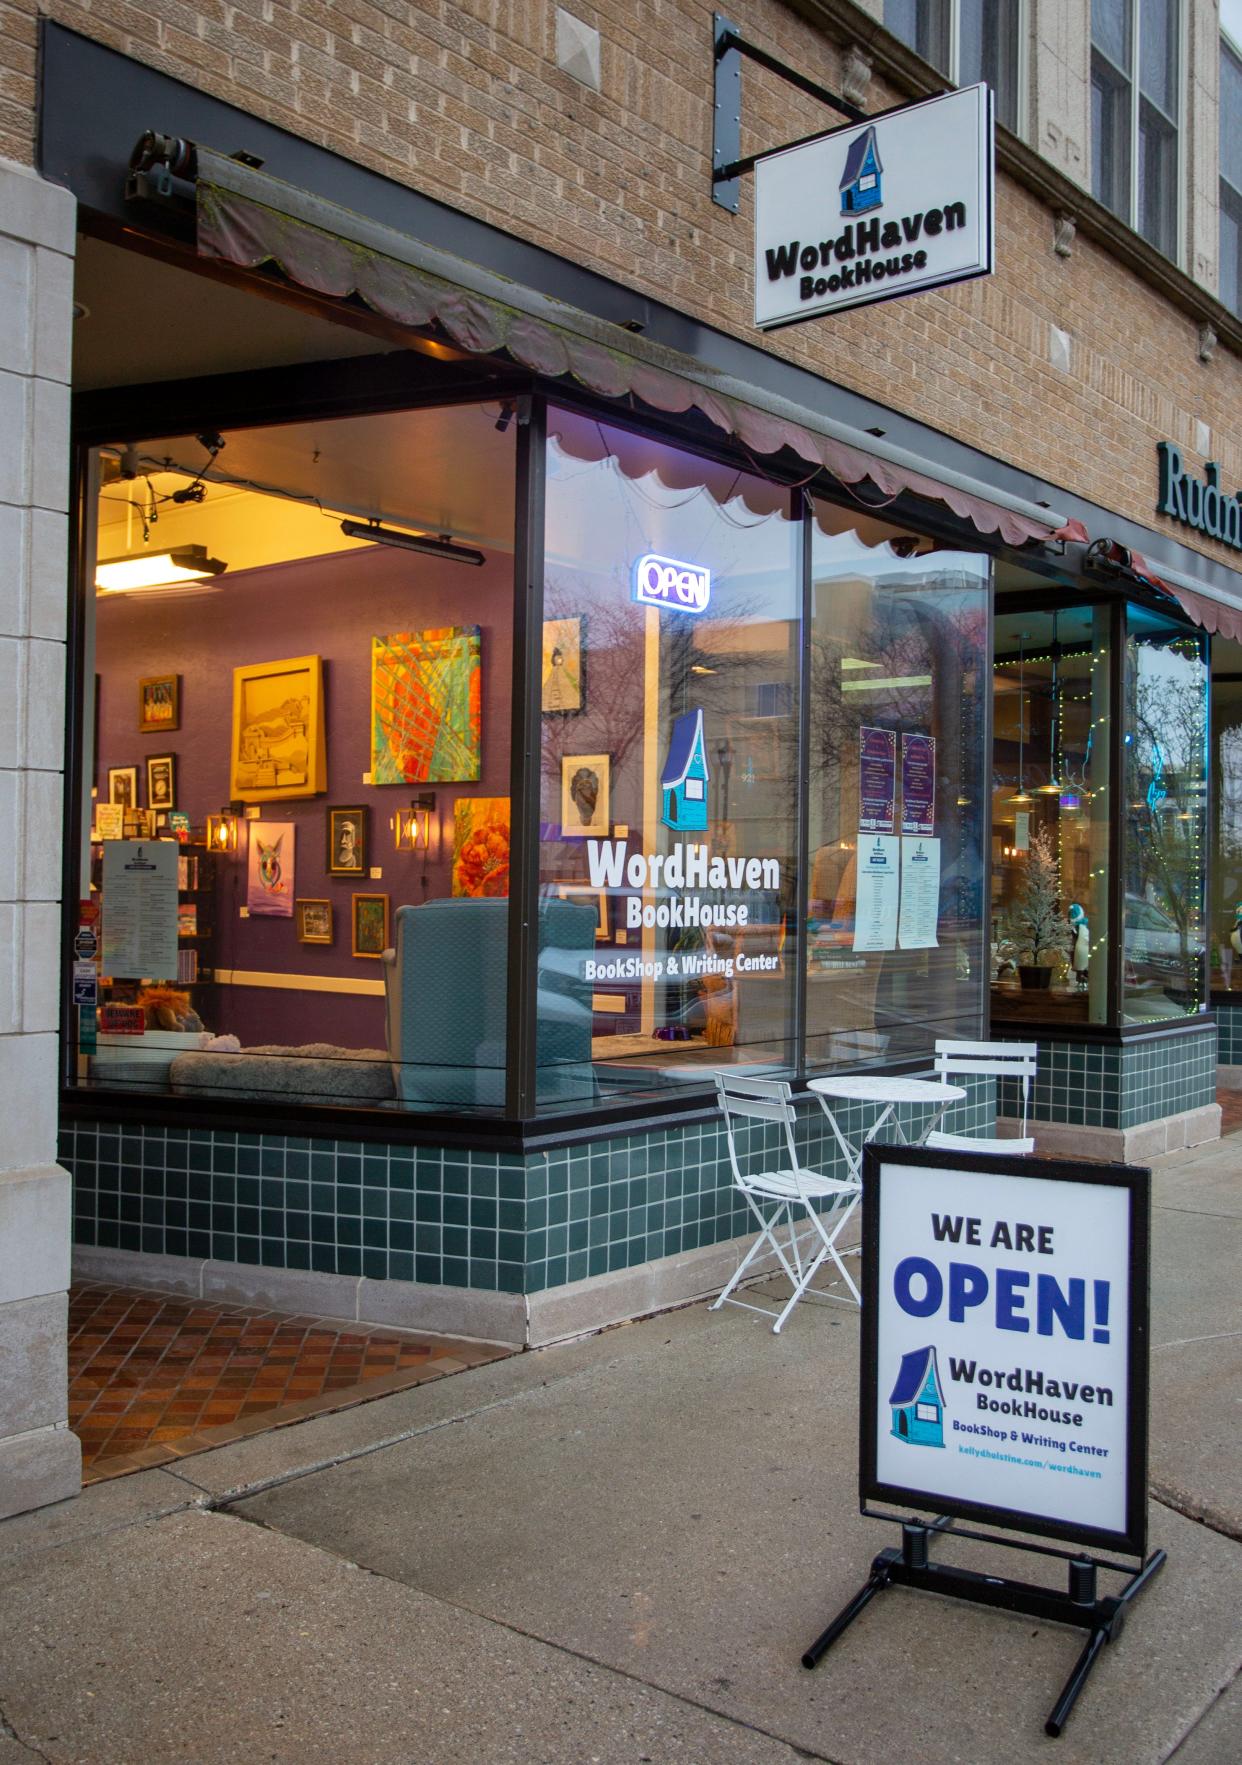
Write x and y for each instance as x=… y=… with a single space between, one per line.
x=728 y=48
x=1080 y=1605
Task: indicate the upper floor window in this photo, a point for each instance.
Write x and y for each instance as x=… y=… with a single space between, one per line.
x=968 y=40
x=1230 y=177
x=1135 y=85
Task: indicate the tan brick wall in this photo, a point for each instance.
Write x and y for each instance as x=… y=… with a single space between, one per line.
x=464 y=102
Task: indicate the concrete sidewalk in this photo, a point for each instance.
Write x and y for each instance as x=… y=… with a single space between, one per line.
x=615 y=1551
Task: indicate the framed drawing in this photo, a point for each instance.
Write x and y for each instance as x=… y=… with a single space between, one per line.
x=314 y=921
x=278 y=747
x=123 y=786
x=348 y=839
x=585 y=780
x=427 y=706
x=269 y=868
x=370 y=925
x=161 y=781
x=564 y=684
x=583 y=895
x=481 y=846
x=159 y=704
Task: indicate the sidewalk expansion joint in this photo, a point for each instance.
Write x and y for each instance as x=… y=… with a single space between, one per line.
x=649 y=1685
x=8 y=1732
x=1190 y=1509
x=1201 y=1718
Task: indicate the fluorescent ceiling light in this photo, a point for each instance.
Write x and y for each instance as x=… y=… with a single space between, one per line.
x=139 y=572
x=890 y=683
x=856 y=662
x=433 y=546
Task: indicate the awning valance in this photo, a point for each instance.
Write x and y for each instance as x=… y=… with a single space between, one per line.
x=1203 y=608
x=248 y=218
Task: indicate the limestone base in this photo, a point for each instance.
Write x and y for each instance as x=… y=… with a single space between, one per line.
x=1145 y=1140
x=37 y=1468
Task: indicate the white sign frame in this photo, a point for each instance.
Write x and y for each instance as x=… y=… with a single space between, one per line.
x=919 y=142
x=1097 y=1223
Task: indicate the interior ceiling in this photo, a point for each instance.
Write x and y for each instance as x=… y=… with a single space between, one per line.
x=443 y=470
x=147 y=320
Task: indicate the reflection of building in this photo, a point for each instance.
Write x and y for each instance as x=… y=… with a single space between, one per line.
x=518 y=380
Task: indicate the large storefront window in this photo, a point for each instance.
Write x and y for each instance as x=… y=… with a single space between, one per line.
x=298 y=655
x=1051 y=815
x=1226 y=773
x=1165 y=783
x=898 y=720
x=670 y=761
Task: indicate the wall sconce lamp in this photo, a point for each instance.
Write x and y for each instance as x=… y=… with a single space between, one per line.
x=222 y=830
x=412 y=827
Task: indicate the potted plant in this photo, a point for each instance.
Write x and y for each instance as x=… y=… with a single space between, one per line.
x=1037 y=924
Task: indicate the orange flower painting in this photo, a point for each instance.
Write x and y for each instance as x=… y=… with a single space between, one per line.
x=481 y=846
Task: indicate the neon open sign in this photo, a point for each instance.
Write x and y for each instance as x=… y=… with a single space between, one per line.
x=666 y=582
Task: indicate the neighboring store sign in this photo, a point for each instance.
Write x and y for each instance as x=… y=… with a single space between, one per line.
x=1005 y=1345
x=669 y=583
x=894 y=206
x=1198 y=502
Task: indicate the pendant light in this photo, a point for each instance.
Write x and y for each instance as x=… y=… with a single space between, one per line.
x=1056 y=783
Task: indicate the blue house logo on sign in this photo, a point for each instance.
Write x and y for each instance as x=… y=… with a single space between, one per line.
x=685 y=775
x=917 y=1400
x=861 y=181
x=667 y=582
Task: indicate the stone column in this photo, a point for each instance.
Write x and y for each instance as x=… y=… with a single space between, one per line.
x=40 y=1460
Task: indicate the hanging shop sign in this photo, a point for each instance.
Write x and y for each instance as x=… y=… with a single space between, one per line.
x=1198 y=502
x=1006 y=1347
x=669 y=583
x=872 y=211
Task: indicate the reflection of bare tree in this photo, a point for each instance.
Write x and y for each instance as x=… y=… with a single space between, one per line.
x=1166 y=800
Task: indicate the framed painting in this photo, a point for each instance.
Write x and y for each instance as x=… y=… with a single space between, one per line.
x=270 y=869
x=348 y=839
x=314 y=921
x=564 y=655
x=370 y=925
x=481 y=846
x=159 y=704
x=161 y=781
x=583 y=895
x=123 y=786
x=585 y=782
x=278 y=749
x=427 y=706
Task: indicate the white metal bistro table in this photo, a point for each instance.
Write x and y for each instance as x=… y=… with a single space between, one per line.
x=892 y=1095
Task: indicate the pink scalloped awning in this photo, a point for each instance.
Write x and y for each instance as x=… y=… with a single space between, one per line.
x=245 y=232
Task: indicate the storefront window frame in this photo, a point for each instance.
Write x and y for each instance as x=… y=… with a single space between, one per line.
x=133 y=414
x=1063 y=593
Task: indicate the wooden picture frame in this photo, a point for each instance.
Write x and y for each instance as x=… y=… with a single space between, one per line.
x=348 y=835
x=563 y=668
x=159 y=704
x=123 y=786
x=162 y=782
x=597 y=900
x=368 y=939
x=585 y=789
x=278 y=750
x=313 y=920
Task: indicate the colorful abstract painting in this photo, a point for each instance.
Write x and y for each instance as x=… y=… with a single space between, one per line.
x=481 y=846
x=426 y=706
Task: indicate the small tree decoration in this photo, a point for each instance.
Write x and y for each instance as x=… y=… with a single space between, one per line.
x=1038 y=923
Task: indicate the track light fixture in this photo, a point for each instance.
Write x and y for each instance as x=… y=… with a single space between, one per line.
x=434 y=546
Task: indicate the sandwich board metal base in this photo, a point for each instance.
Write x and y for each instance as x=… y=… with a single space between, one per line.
x=1080 y=1605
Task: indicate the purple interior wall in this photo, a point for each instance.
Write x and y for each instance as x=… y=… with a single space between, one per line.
x=330 y=607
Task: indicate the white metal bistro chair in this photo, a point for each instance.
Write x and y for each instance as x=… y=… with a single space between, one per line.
x=814 y=1209
x=1003 y=1060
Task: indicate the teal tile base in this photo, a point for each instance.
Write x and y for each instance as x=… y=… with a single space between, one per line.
x=1229 y=1029
x=1119 y=1085
x=501 y=1222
